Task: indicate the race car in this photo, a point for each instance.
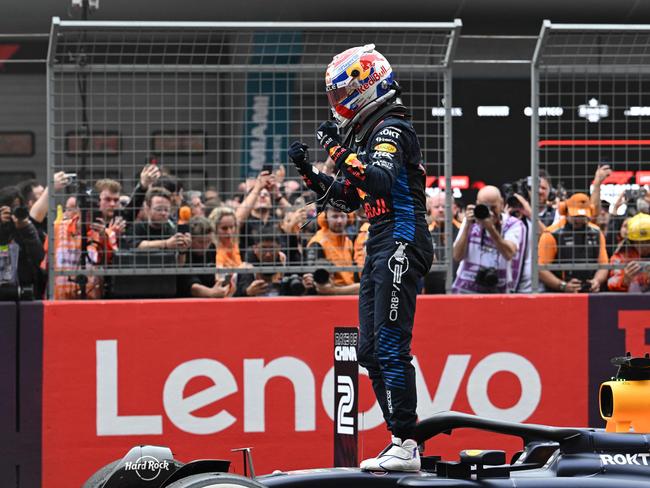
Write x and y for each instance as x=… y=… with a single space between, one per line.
x=552 y=457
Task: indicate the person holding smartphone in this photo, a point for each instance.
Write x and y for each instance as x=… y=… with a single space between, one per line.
x=202 y=254
x=634 y=253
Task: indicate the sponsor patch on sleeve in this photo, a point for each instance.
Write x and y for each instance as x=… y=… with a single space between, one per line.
x=385 y=147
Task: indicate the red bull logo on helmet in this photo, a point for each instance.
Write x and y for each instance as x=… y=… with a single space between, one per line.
x=372 y=79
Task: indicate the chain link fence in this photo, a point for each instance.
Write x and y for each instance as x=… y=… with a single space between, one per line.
x=590 y=102
x=202 y=110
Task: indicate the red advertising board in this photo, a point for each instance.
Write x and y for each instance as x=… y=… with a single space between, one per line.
x=206 y=376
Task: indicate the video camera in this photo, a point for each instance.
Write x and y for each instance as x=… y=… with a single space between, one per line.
x=487 y=277
x=292 y=285
x=12 y=292
x=521 y=187
x=632 y=197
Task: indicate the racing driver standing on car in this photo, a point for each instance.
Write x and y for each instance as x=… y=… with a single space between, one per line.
x=379 y=163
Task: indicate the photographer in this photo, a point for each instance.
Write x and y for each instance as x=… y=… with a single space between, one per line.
x=98 y=208
x=266 y=250
x=21 y=250
x=635 y=277
x=489 y=246
x=519 y=207
x=635 y=200
x=574 y=240
x=332 y=246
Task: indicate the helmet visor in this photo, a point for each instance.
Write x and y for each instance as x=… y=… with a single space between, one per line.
x=336 y=95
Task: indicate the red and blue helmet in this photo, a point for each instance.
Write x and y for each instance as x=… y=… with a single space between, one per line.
x=356 y=78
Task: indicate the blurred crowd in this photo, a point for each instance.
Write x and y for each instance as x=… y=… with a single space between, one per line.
x=245 y=244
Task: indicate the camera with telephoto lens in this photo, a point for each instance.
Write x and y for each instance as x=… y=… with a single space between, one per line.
x=487 y=277
x=292 y=285
x=632 y=201
x=481 y=211
x=21 y=213
x=520 y=187
x=11 y=292
x=321 y=276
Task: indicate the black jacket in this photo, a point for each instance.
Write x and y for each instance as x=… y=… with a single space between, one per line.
x=30 y=256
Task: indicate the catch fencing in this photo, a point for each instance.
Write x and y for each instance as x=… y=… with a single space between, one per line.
x=213 y=105
x=590 y=107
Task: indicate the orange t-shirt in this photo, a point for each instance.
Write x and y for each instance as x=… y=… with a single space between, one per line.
x=547 y=247
x=228 y=257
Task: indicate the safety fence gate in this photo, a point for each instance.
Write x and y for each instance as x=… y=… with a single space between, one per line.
x=591 y=108
x=211 y=105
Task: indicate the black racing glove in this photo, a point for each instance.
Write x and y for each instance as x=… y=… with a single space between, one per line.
x=299 y=156
x=328 y=137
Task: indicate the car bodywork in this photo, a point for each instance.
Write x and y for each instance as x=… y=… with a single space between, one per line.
x=552 y=457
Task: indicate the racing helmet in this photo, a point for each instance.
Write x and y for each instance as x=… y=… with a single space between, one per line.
x=356 y=80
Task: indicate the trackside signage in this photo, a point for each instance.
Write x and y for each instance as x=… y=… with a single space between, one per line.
x=206 y=376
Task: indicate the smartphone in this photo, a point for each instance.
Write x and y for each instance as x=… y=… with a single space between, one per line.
x=95 y=214
x=268 y=167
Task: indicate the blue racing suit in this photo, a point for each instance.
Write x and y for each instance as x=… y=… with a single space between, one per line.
x=384 y=174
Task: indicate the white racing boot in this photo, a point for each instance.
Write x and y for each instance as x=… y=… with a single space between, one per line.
x=398 y=456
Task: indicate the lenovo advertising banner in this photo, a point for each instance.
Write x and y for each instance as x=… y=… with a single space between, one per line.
x=204 y=377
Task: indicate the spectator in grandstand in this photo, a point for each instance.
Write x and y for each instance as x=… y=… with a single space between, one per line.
x=435 y=281
x=634 y=253
x=266 y=250
x=224 y=221
x=211 y=194
x=330 y=246
x=546 y=212
x=210 y=206
x=256 y=210
x=488 y=247
x=573 y=240
x=602 y=173
x=101 y=240
x=21 y=249
x=195 y=201
x=175 y=188
x=31 y=190
x=610 y=225
x=291 y=190
x=106 y=222
x=71 y=209
x=202 y=253
x=459 y=209
x=134 y=210
x=293 y=241
x=159 y=232
x=635 y=200
x=520 y=208
x=38 y=210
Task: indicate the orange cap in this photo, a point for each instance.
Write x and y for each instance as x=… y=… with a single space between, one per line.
x=579 y=205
